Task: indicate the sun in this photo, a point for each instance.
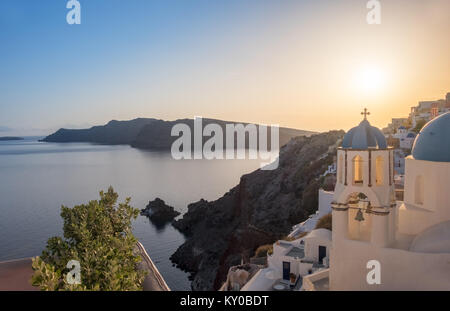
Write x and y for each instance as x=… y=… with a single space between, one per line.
x=370 y=79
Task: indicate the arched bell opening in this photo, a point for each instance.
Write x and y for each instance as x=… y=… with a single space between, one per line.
x=359 y=217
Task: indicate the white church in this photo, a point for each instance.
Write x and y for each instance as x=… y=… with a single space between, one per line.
x=409 y=241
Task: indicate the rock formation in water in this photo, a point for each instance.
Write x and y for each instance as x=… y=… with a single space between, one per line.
x=261 y=209
x=159 y=212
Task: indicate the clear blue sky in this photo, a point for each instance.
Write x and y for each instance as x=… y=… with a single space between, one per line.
x=169 y=59
x=54 y=74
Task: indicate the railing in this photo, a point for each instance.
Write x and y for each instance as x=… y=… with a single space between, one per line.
x=154 y=280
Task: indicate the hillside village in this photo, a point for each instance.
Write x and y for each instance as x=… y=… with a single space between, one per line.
x=385 y=198
x=390 y=203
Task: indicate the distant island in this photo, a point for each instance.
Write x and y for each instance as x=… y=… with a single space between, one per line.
x=146 y=133
x=7 y=138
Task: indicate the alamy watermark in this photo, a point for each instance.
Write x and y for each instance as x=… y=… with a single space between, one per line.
x=374 y=15
x=74 y=275
x=74 y=15
x=218 y=147
x=374 y=275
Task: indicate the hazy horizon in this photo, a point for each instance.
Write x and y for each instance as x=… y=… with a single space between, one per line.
x=299 y=64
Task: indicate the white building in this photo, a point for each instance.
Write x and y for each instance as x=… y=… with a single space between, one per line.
x=408 y=141
x=401 y=132
x=405 y=137
x=410 y=239
x=302 y=257
x=331 y=169
x=428 y=110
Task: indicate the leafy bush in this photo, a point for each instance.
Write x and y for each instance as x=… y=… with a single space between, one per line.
x=99 y=236
x=325 y=222
x=264 y=250
x=420 y=124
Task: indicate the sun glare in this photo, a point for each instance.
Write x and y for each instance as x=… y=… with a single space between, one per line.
x=370 y=79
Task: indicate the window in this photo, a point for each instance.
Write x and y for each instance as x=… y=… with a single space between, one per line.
x=341 y=169
x=419 y=191
x=379 y=176
x=358 y=170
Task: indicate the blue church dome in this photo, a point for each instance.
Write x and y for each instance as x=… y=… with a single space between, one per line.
x=433 y=141
x=364 y=136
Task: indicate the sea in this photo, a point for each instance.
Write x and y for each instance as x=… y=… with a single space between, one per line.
x=37 y=178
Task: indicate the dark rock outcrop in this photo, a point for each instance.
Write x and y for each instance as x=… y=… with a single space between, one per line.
x=159 y=212
x=261 y=209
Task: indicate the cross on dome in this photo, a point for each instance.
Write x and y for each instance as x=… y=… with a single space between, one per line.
x=364 y=136
x=365 y=113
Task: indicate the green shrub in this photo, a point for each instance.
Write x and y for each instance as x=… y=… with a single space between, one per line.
x=420 y=124
x=97 y=235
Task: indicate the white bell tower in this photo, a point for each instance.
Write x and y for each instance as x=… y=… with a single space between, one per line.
x=364 y=197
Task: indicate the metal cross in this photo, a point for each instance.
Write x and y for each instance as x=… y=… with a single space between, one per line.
x=365 y=113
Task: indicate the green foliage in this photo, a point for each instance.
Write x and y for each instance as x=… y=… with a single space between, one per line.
x=419 y=125
x=99 y=236
x=362 y=196
x=325 y=222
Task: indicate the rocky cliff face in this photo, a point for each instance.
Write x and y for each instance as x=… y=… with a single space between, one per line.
x=261 y=209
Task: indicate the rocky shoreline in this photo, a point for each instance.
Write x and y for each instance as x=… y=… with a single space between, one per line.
x=261 y=209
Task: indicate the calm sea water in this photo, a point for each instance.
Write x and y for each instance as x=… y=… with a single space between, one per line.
x=37 y=178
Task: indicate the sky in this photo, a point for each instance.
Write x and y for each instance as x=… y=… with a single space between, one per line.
x=306 y=64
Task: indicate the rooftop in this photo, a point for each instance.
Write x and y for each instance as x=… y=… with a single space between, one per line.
x=433 y=141
x=296 y=252
x=364 y=136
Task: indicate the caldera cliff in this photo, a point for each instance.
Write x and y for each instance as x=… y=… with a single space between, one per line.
x=261 y=209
